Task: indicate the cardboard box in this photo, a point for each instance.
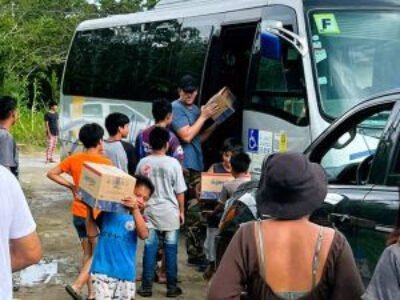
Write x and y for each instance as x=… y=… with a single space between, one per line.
x=103 y=187
x=225 y=101
x=211 y=185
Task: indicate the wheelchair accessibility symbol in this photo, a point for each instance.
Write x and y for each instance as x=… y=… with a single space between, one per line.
x=252 y=140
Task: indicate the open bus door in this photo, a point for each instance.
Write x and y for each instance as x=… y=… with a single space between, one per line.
x=228 y=65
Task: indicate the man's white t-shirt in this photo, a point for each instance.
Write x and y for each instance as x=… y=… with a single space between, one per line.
x=16 y=221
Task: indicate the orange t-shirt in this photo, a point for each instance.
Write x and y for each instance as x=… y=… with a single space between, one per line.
x=73 y=166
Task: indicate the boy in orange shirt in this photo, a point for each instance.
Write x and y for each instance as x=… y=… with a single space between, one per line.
x=91 y=136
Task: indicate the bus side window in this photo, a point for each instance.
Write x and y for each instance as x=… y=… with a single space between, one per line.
x=123 y=62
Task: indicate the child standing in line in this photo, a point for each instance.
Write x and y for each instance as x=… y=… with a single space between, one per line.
x=52 y=131
x=122 y=154
x=165 y=211
x=113 y=269
x=230 y=147
x=240 y=166
x=162 y=114
x=91 y=136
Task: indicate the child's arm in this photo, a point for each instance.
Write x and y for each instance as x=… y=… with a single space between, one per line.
x=141 y=227
x=55 y=175
x=181 y=201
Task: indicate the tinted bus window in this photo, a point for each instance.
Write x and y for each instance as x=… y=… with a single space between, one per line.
x=124 y=62
x=195 y=39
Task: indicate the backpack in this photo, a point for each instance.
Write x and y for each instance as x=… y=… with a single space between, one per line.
x=241 y=209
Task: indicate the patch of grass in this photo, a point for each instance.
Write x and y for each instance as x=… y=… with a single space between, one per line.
x=29 y=131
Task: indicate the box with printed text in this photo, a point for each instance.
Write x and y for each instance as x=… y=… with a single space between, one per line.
x=212 y=183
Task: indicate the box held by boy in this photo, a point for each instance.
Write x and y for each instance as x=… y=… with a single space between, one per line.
x=103 y=187
x=211 y=185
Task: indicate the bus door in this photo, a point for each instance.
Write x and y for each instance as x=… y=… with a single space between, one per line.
x=275 y=116
x=228 y=66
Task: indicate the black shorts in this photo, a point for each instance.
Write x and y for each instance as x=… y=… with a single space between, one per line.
x=80 y=226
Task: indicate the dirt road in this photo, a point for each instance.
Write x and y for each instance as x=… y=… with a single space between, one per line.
x=50 y=206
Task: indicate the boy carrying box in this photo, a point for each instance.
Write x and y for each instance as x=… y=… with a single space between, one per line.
x=240 y=166
x=91 y=136
x=113 y=269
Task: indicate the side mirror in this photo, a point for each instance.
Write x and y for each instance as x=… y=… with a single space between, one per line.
x=270 y=45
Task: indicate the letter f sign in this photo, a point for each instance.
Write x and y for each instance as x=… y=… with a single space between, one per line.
x=326 y=23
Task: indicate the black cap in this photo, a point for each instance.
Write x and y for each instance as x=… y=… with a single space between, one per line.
x=188 y=84
x=291 y=186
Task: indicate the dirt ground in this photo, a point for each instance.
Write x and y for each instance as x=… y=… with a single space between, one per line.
x=50 y=205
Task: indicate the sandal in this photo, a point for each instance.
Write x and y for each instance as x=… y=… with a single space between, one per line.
x=72 y=293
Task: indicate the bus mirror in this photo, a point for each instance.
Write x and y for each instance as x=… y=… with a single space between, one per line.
x=270 y=28
x=270 y=45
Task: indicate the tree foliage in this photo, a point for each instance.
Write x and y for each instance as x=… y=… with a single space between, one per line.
x=35 y=37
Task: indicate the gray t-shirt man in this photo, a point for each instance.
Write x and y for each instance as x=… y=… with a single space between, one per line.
x=167 y=176
x=8 y=151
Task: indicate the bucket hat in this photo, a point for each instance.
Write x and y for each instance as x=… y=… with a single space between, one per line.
x=290 y=186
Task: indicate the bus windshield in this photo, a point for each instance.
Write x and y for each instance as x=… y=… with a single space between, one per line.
x=355 y=56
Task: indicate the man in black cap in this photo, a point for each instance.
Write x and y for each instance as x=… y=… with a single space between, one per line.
x=188 y=120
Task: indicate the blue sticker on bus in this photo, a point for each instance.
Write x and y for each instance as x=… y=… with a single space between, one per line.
x=252 y=140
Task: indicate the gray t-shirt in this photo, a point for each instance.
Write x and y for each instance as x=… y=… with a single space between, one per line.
x=8 y=151
x=167 y=176
x=116 y=153
x=122 y=154
x=385 y=283
x=230 y=187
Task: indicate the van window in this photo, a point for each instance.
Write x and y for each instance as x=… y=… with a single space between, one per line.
x=124 y=62
x=92 y=110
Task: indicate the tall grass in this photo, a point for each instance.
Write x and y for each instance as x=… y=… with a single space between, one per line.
x=29 y=131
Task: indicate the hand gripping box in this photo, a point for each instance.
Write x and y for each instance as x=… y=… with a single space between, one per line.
x=103 y=187
x=225 y=101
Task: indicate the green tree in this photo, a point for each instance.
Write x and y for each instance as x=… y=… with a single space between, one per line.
x=34 y=40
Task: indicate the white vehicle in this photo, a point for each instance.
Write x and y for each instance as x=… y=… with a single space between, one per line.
x=294 y=66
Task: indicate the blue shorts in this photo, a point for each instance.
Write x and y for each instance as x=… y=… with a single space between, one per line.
x=80 y=226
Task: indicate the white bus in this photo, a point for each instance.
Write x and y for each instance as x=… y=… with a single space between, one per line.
x=293 y=65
